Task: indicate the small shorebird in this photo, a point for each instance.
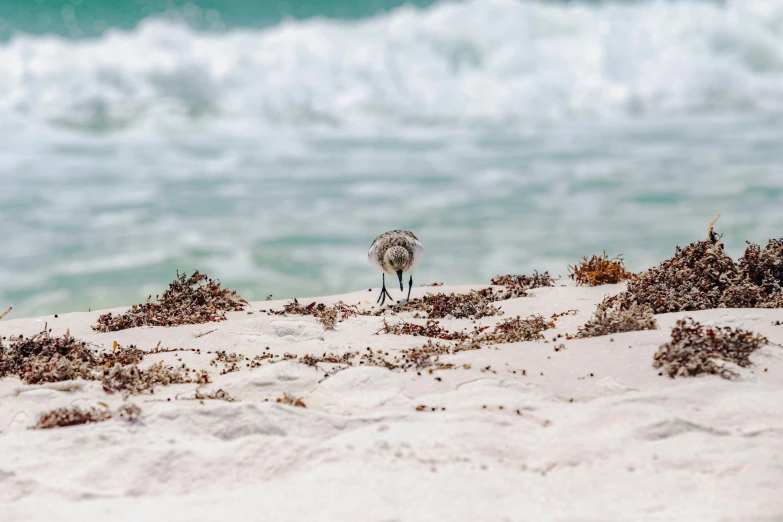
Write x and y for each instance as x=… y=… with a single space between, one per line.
x=395 y=252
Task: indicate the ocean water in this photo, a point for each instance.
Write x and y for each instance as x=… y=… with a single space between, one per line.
x=268 y=147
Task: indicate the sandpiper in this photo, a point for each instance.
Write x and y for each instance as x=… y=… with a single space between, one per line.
x=395 y=252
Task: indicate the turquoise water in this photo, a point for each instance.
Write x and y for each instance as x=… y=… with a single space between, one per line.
x=511 y=136
x=91 y=18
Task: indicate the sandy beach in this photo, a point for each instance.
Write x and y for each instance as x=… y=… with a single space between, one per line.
x=551 y=429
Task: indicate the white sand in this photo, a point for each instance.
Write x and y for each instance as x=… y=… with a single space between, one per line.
x=631 y=446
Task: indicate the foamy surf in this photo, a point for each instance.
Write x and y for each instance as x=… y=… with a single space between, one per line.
x=482 y=62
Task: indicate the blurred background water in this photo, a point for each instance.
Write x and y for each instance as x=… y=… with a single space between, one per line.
x=268 y=143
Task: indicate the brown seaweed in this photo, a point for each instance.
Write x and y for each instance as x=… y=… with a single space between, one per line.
x=599 y=270
x=614 y=318
x=193 y=299
x=695 y=349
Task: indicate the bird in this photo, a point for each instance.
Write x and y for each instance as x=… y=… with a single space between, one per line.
x=395 y=252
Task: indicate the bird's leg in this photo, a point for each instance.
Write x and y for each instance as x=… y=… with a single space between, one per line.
x=384 y=293
x=410 y=284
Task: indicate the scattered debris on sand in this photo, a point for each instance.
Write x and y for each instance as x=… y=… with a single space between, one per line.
x=518 y=285
x=699 y=276
x=328 y=316
x=509 y=331
x=517 y=330
x=216 y=395
x=64 y=417
x=473 y=305
x=44 y=358
x=193 y=299
x=535 y=281
x=428 y=355
x=431 y=329
x=230 y=361
x=132 y=380
x=697 y=350
x=600 y=270
x=418 y=358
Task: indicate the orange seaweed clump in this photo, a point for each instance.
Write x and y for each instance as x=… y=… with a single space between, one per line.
x=600 y=270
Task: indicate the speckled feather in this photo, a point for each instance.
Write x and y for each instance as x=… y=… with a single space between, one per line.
x=396 y=248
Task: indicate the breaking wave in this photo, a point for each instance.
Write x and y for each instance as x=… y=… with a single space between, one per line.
x=487 y=62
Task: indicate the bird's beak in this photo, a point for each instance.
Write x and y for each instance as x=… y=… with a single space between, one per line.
x=399 y=276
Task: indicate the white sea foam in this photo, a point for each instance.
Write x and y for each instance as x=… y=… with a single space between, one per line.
x=488 y=61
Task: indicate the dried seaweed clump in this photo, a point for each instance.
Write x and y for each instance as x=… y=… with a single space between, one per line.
x=193 y=299
x=702 y=276
x=328 y=316
x=123 y=355
x=764 y=270
x=473 y=305
x=696 y=350
x=535 y=281
x=517 y=330
x=699 y=277
x=518 y=285
x=64 y=417
x=43 y=358
x=600 y=270
x=694 y=279
x=431 y=329
x=611 y=317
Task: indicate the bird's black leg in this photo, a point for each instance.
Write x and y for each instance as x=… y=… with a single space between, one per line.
x=384 y=293
x=410 y=284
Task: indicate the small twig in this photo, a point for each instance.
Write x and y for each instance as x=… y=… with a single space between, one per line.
x=710 y=232
x=202 y=334
x=6 y=312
